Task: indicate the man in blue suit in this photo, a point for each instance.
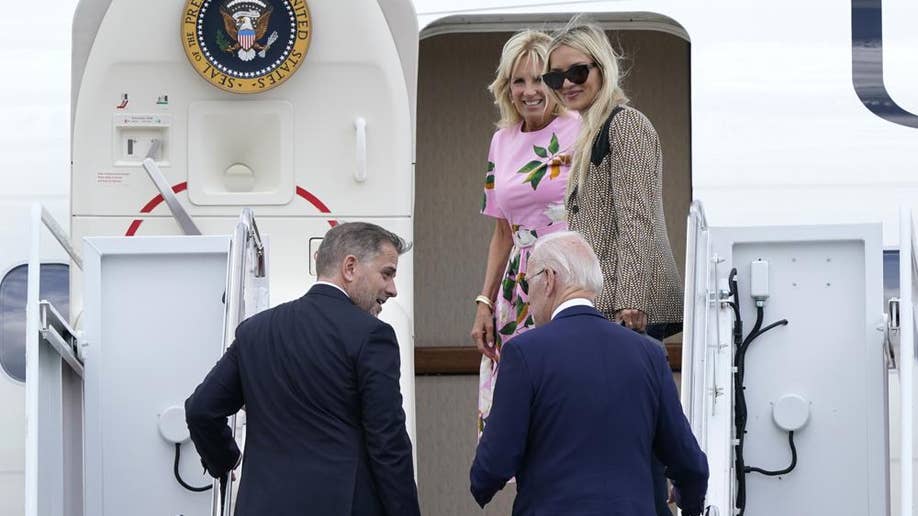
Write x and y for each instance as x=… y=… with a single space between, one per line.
x=582 y=404
x=319 y=379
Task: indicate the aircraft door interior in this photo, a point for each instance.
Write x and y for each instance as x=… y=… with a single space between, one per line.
x=456 y=117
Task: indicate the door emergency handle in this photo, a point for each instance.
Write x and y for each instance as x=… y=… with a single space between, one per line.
x=360 y=174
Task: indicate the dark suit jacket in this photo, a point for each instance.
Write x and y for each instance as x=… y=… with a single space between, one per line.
x=325 y=433
x=579 y=407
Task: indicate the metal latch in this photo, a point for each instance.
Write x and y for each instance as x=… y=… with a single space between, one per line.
x=56 y=331
x=891 y=335
x=893 y=311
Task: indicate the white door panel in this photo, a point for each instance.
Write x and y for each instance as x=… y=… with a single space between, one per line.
x=340 y=80
x=288 y=262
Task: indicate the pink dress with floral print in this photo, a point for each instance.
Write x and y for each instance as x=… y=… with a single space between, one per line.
x=525 y=185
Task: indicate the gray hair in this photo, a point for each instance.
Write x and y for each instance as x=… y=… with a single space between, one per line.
x=360 y=239
x=571 y=257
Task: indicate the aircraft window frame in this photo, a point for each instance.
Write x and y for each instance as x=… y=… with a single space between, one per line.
x=11 y=368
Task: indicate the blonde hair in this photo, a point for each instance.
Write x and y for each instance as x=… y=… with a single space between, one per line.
x=528 y=43
x=592 y=41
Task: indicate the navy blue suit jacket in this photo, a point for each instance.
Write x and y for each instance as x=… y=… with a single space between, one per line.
x=325 y=432
x=579 y=407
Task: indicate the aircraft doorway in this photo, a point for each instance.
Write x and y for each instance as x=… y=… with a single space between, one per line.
x=455 y=121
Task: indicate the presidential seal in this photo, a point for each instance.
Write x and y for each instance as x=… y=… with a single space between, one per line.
x=246 y=46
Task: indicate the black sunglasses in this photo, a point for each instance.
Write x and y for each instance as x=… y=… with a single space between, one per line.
x=577 y=74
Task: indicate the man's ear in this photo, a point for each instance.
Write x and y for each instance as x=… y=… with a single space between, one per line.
x=349 y=268
x=550 y=283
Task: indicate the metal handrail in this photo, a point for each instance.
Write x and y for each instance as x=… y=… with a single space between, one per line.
x=248 y=219
x=696 y=224
x=48 y=220
x=42 y=324
x=907 y=268
x=696 y=210
x=688 y=313
x=159 y=180
x=245 y=233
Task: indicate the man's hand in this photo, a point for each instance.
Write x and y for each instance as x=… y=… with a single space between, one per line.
x=632 y=318
x=676 y=497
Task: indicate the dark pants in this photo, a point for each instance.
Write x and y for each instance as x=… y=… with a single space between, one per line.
x=660 y=331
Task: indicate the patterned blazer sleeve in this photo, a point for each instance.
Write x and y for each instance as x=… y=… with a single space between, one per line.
x=635 y=160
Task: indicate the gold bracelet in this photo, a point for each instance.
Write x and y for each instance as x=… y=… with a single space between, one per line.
x=486 y=300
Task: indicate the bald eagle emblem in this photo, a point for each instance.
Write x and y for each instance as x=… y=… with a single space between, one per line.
x=246 y=22
x=246 y=46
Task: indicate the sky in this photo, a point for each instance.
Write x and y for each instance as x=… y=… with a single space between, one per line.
x=35 y=98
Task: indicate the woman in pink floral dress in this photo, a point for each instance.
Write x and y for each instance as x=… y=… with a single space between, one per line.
x=524 y=192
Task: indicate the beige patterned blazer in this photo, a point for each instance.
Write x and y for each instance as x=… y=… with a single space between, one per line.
x=619 y=210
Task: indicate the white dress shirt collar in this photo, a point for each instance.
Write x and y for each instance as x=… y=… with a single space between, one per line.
x=577 y=301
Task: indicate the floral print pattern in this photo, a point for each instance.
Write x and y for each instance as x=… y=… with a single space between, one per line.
x=525 y=184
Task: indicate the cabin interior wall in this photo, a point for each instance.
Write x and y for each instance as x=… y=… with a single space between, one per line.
x=455 y=121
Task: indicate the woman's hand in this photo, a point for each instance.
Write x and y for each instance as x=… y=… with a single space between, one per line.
x=498 y=252
x=633 y=318
x=483 y=332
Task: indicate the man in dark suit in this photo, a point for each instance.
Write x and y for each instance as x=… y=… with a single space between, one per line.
x=582 y=403
x=319 y=379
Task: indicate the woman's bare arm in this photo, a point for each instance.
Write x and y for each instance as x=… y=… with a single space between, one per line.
x=498 y=251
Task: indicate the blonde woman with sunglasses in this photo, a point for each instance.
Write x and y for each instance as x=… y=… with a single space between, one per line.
x=525 y=184
x=615 y=188
x=614 y=196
